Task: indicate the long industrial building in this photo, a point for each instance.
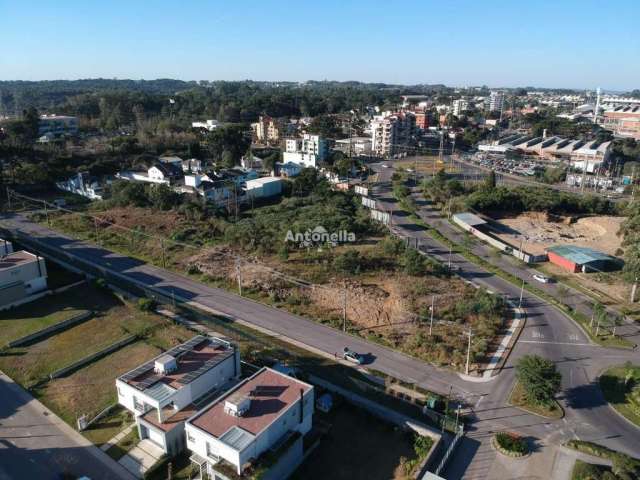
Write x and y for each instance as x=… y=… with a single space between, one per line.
x=576 y=152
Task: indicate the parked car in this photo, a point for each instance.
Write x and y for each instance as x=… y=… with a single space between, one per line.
x=384 y=165
x=352 y=356
x=540 y=278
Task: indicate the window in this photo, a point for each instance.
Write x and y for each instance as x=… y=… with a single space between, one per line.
x=191 y=438
x=210 y=453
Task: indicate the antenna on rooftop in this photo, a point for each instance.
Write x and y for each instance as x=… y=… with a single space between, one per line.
x=596 y=110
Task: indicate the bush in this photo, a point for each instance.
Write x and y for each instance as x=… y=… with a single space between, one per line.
x=539 y=379
x=146 y=304
x=511 y=443
x=349 y=262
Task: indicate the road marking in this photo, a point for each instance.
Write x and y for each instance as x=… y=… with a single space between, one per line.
x=561 y=343
x=537 y=334
x=573 y=337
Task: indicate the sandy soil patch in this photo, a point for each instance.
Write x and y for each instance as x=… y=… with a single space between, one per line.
x=539 y=231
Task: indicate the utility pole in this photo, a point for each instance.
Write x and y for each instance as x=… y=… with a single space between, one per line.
x=433 y=304
x=9 y=198
x=521 y=293
x=239 y=274
x=344 y=308
x=450 y=257
x=164 y=262
x=468 y=351
x=46 y=212
x=95 y=226
x=633 y=290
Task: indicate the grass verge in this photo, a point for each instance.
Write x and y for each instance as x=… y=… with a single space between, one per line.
x=125 y=444
x=518 y=399
x=618 y=385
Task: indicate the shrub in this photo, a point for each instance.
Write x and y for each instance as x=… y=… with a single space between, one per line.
x=512 y=443
x=146 y=304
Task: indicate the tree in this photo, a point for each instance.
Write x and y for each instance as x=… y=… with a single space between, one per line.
x=490 y=182
x=162 y=197
x=413 y=262
x=539 y=379
x=348 y=262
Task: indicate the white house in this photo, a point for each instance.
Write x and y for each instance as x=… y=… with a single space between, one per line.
x=21 y=274
x=206 y=125
x=264 y=187
x=83 y=184
x=161 y=392
x=261 y=413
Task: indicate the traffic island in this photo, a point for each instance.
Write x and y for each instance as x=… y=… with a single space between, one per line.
x=518 y=399
x=510 y=444
x=621 y=389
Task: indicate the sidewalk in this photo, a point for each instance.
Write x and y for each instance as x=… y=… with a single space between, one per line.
x=117 y=438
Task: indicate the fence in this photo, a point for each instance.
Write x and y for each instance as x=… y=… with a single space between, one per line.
x=48 y=331
x=443 y=463
x=91 y=358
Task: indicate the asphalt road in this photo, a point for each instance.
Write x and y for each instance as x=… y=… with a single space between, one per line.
x=549 y=333
x=35 y=444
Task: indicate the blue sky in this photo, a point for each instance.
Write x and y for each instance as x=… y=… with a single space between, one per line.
x=562 y=43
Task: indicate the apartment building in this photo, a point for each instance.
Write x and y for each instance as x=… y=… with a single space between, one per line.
x=269 y=411
x=460 y=105
x=390 y=132
x=163 y=393
x=21 y=274
x=309 y=151
x=354 y=146
x=268 y=130
x=496 y=101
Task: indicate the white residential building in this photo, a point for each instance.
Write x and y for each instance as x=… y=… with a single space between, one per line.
x=354 y=145
x=309 y=151
x=21 y=274
x=259 y=414
x=391 y=132
x=460 y=105
x=161 y=393
x=83 y=184
x=496 y=101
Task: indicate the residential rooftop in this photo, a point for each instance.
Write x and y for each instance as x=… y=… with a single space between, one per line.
x=271 y=393
x=17 y=258
x=193 y=358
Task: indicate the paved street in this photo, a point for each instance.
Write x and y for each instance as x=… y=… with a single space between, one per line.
x=36 y=444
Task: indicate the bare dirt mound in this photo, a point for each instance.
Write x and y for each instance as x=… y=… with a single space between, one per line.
x=539 y=231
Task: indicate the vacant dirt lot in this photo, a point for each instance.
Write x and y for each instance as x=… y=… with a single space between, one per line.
x=541 y=230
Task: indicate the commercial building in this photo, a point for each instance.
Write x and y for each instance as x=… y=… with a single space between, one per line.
x=265 y=187
x=578 y=153
x=391 y=132
x=623 y=121
x=581 y=259
x=309 y=151
x=268 y=412
x=163 y=393
x=22 y=274
x=57 y=125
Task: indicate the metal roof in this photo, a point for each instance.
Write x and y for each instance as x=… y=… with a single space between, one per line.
x=160 y=391
x=469 y=218
x=580 y=255
x=237 y=438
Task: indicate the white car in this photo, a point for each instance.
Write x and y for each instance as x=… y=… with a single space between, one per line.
x=540 y=278
x=384 y=165
x=352 y=356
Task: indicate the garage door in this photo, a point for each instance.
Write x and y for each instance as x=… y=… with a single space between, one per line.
x=156 y=437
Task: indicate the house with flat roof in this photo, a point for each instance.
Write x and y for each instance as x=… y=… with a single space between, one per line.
x=162 y=393
x=22 y=274
x=266 y=413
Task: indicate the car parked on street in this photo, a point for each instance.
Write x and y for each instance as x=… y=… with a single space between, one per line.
x=352 y=356
x=540 y=278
